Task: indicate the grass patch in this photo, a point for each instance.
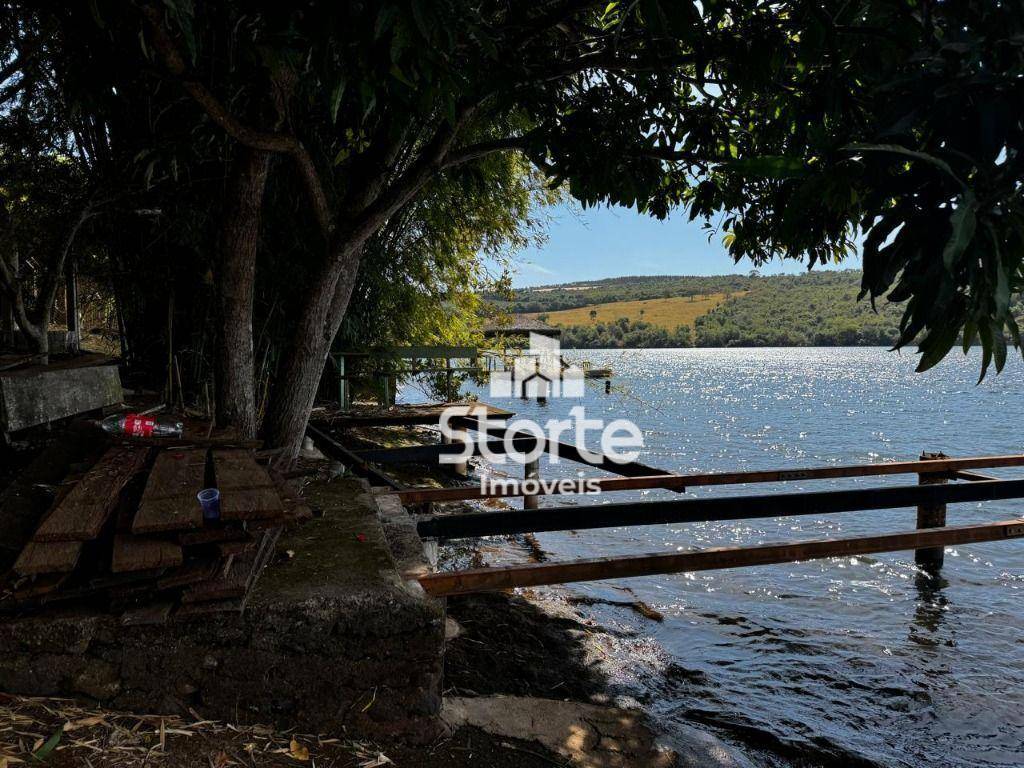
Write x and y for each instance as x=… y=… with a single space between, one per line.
x=663 y=313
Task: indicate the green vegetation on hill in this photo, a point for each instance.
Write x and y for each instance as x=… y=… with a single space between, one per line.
x=624 y=334
x=553 y=298
x=811 y=309
x=815 y=309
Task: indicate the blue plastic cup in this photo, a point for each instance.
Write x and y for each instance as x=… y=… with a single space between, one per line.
x=209 y=498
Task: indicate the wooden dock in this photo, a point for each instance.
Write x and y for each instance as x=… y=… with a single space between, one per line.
x=936 y=487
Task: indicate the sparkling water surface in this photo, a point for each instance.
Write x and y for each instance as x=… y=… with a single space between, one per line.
x=843 y=661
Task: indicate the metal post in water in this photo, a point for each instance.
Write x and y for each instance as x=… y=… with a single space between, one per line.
x=931 y=516
x=532 y=473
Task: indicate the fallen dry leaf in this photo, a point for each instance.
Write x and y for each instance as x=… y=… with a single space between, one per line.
x=377 y=762
x=298 y=752
x=85 y=722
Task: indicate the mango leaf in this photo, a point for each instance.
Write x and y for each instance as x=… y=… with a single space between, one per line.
x=964 y=222
x=1002 y=294
x=970 y=332
x=896 y=149
x=339 y=91
x=986 y=348
x=44 y=751
x=768 y=167
x=998 y=346
x=936 y=346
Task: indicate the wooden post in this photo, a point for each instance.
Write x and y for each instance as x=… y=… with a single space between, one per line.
x=344 y=391
x=448 y=380
x=532 y=473
x=74 y=340
x=7 y=327
x=462 y=468
x=930 y=516
x=6 y=322
x=392 y=389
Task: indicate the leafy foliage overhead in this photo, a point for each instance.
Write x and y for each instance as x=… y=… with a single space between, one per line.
x=791 y=126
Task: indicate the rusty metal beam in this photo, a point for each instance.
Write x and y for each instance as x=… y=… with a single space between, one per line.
x=959 y=467
x=725 y=508
x=538 y=574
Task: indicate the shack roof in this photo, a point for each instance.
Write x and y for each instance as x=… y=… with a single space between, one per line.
x=520 y=325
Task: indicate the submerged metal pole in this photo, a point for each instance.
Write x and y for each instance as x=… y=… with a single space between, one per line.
x=532 y=472
x=931 y=516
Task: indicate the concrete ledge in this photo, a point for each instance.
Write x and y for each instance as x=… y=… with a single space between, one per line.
x=40 y=394
x=332 y=641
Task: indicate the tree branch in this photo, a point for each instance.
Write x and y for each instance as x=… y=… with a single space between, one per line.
x=430 y=162
x=281 y=143
x=28 y=50
x=472 y=152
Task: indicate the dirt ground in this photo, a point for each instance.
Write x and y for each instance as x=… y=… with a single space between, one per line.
x=95 y=737
x=507 y=645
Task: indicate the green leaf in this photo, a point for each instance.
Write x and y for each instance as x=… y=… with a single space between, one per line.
x=420 y=19
x=896 y=149
x=936 y=346
x=970 y=331
x=339 y=91
x=51 y=744
x=1002 y=294
x=998 y=346
x=398 y=74
x=986 y=349
x=964 y=222
x=768 y=167
x=95 y=11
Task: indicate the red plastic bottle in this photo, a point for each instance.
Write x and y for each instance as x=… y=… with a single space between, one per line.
x=138 y=425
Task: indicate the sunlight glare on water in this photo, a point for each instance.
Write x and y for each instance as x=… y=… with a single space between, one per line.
x=842 y=661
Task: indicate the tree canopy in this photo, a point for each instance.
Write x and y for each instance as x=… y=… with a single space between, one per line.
x=355 y=138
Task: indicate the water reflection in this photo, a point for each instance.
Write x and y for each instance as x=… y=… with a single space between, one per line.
x=851 y=661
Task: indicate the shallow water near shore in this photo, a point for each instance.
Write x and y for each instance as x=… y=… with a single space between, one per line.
x=842 y=661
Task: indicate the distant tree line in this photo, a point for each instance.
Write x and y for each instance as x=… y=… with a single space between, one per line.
x=576 y=295
x=625 y=334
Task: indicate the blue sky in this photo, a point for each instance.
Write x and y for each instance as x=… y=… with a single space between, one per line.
x=612 y=242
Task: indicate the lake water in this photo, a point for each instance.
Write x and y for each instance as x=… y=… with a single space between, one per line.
x=843 y=661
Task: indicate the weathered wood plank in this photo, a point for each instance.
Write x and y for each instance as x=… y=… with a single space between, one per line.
x=81 y=515
x=246 y=490
x=137 y=553
x=212 y=536
x=154 y=614
x=169 y=501
x=242 y=575
x=252 y=504
x=192 y=572
x=39 y=557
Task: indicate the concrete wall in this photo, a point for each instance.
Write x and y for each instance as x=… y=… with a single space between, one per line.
x=41 y=394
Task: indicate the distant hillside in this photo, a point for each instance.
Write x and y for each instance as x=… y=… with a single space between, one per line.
x=810 y=309
x=663 y=313
x=552 y=298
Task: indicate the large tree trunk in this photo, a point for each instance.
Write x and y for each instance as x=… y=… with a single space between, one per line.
x=295 y=391
x=236 y=279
